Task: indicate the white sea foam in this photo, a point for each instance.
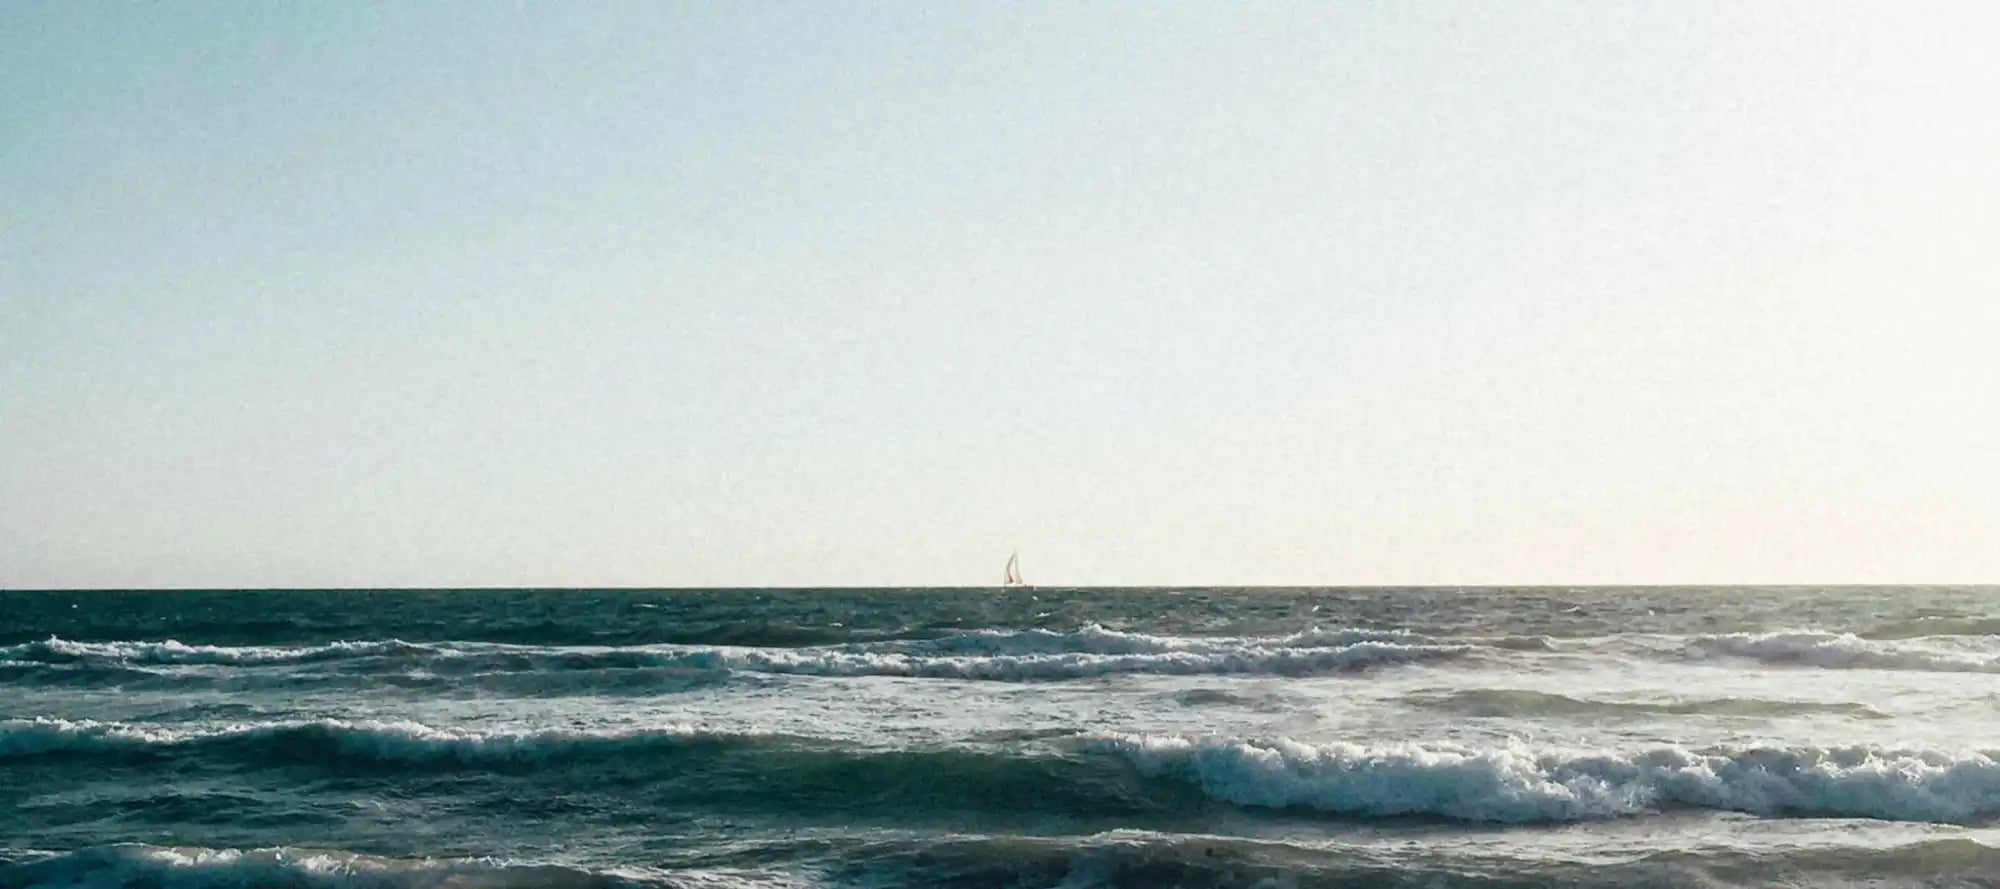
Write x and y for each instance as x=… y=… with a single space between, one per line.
x=988 y=655
x=31 y=737
x=1537 y=784
x=170 y=651
x=382 y=741
x=1028 y=655
x=1506 y=783
x=1211 y=659
x=1096 y=639
x=1842 y=651
x=166 y=867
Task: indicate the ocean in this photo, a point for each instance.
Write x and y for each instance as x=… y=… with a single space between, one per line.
x=991 y=739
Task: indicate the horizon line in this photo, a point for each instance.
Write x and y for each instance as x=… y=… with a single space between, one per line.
x=1031 y=587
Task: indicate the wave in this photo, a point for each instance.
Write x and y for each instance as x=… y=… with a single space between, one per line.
x=1268 y=698
x=1934 y=625
x=1096 y=639
x=1097 y=774
x=1518 y=784
x=1512 y=702
x=168 y=867
x=72 y=675
x=990 y=655
x=54 y=650
x=978 y=655
x=678 y=767
x=1839 y=651
x=328 y=741
x=1247 y=659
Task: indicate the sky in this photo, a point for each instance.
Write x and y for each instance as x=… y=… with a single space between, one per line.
x=843 y=293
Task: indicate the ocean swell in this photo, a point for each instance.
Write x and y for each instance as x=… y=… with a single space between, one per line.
x=1841 y=651
x=1935 y=625
x=1510 y=703
x=678 y=766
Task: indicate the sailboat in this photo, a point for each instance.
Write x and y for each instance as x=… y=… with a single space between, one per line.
x=1014 y=571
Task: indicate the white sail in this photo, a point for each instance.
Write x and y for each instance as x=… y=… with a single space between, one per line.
x=1014 y=570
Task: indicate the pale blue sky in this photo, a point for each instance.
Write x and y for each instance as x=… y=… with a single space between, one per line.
x=874 y=293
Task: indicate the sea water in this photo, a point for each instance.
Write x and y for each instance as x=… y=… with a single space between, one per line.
x=1001 y=738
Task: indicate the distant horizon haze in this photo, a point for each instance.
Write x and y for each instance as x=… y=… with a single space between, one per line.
x=396 y=294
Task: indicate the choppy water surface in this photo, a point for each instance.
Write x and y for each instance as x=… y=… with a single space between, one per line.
x=982 y=738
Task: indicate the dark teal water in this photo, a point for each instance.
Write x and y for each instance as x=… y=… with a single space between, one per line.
x=1042 y=737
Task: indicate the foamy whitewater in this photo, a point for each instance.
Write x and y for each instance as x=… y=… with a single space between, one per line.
x=990 y=738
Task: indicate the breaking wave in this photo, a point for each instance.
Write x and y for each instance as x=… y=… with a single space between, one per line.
x=1109 y=774
x=1519 y=784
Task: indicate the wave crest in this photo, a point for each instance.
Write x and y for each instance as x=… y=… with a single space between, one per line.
x=977 y=655
x=1114 y=773
x=1246 y=659
x=54 y=650
x=328 y=739
x=172 y=867
x=1838 y=651
x=1523 y=784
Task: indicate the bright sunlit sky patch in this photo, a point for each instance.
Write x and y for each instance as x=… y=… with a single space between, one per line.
x=874 y=293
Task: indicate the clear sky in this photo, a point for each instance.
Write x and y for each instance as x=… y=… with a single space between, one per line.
x=874 y=293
